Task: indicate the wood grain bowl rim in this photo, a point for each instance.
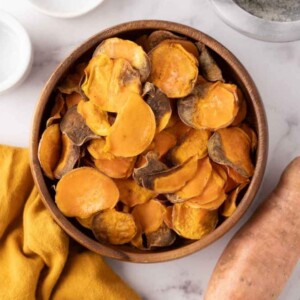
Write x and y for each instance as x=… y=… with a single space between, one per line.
x=262 y=150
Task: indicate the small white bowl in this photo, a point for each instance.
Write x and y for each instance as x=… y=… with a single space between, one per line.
x=65 y=8
x=15 y=52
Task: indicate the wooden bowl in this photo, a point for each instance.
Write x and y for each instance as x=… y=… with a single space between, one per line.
x=233 y=69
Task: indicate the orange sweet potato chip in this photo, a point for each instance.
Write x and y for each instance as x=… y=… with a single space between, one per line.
x=230 y=205
x=109 y=81
x=114 y=227
x=69 y=156
x=50 y=149
x=196 y=185
x=193 y=223
x=149 y=215
x=232 y=147
x=95 y=118
x=211 y=106
x=85 y=191
x=193 y=144
x=132 y=194
x=174 y=70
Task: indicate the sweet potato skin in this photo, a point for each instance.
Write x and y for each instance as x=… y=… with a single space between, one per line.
x=259 y=259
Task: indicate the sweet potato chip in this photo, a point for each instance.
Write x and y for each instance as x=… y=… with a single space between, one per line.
x=95 y=118
x=208 y=66
x=73 y=125
x=73 y=99
x=96 y=148
x=242 y=113
x=174 y=70
x=211 y=106
x=231 y=147
x=221 y=170
x=86 y=222
x=143 y=42
x=173 y=179
x=71 y=82
x=163 y=142
x=117 y=167
x=127 y=50
x=234 y=179
x=212 y=191
x=213 y=205
x=57 y=111
x=193 y=223
x=68 y=158
x=151 y=166
x=114 y=227
x=196 y=185
x=108 y=82
x=132 y=194
x=168 y=216
x=133 y=129
x=49 y=149
x=252 y=135
x=161 y=108
x=187 y=45
x=137 y=240
x=177 y=127
x=157 y=36
x=149 y=215
x=230 y=205
x=85 y=191
x=193 y=144
x=162 y=237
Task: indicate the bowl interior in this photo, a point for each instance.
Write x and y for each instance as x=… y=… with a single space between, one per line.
x=232 y=70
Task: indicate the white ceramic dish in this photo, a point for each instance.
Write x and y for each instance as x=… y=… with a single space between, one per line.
x=15 y=52
x=239 y=19
x=65 y=8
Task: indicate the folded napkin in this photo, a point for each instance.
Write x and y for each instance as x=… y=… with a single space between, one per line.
x=37 y=259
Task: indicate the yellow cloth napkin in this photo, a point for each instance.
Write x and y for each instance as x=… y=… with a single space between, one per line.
x=37 y=259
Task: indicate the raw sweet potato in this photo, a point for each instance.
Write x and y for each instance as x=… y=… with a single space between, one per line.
x=259 y=259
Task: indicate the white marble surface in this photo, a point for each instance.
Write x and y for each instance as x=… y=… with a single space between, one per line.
x=274 y=67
